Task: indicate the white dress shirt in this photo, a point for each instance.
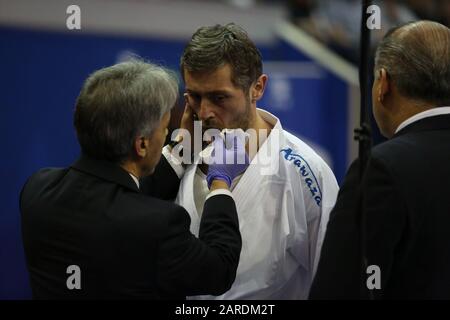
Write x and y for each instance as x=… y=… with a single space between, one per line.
x=422 y=115
x=136 y=180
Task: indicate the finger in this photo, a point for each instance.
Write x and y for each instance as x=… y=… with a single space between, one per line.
x=188 y=114
x=187 y=105
x=188 y=110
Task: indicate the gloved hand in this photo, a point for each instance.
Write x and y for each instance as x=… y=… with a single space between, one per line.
x=228 y=158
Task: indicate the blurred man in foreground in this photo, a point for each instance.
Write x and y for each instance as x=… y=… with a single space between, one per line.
x=403 y=198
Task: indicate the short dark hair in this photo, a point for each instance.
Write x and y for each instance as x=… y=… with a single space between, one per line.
x=214 y=46
x=119 y=103
x=416 y=56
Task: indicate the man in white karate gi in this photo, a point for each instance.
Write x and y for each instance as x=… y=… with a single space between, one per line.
x=284 y=197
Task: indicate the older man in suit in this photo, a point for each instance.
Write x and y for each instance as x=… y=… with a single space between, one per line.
x=92 y=218
x=388 y=234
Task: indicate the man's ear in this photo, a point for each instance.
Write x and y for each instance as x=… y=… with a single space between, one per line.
x=141 y=146
x=384 y=85
x=258 y=88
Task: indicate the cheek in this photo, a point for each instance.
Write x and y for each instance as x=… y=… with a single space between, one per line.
x=375 y=103
x=154 y=154
x=223 y=114
x=374 y=95
x=376 y=114
x=234 y=109
x=157 y=146
x=380 y=117
x=162 y=139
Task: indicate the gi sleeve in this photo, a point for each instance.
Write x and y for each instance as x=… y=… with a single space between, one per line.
x=318 y=224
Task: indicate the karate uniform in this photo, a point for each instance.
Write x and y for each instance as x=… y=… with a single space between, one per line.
x=282 y=214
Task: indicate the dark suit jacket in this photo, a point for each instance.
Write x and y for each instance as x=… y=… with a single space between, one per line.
x=126 y=244
x=405 y=198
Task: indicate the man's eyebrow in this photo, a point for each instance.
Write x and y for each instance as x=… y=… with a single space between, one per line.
x=214 y=92
x=219 y=92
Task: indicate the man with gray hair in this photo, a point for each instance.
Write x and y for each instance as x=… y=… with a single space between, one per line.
x=89 y=232
x=398 y=215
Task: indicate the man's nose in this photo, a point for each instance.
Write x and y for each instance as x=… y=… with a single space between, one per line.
x=205 y=111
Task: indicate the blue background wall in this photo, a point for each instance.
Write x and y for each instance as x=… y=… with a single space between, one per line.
x=41 y=75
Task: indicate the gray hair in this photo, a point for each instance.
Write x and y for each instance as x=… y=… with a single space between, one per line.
x=117 y=104
x=417 y=58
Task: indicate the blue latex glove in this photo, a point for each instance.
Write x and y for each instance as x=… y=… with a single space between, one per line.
x=229 y=158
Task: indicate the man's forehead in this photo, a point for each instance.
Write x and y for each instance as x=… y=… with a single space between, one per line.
x=209 y=81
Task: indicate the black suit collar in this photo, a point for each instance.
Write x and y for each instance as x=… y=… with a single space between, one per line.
x=105 y=170
x=430 y=123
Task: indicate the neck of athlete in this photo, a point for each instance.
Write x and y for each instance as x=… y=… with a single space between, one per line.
x=262 y=128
